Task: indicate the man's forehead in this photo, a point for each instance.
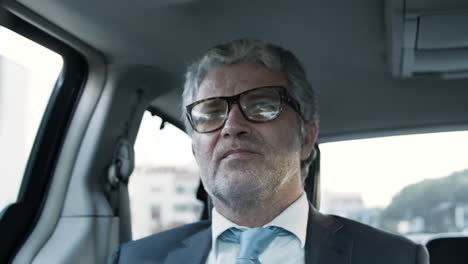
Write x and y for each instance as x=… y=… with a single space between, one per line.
x=236 y=78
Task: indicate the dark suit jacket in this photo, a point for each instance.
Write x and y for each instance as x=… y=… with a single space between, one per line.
x=329 y=240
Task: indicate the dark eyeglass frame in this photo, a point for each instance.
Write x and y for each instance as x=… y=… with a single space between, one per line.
x=234 y=99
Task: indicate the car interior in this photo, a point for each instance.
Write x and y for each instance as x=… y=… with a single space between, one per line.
x=380 y=68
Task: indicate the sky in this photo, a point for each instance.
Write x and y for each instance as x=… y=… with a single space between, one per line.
x=27 y=53
x=378 y=168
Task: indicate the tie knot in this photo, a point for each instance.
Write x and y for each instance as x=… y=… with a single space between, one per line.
x=252 y=241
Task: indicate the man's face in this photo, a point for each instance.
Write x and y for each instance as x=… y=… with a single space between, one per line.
x=245 y=162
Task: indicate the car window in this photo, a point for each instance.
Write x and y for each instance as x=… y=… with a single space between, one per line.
x=28 y=72
x=163 y=186
x=413 y=185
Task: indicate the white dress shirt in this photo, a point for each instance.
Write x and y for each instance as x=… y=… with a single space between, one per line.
x=283 y=249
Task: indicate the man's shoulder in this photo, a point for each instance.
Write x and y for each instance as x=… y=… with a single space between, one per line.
x=174 y=235
x=157 y=246
x=382 y=244
x=363 y=232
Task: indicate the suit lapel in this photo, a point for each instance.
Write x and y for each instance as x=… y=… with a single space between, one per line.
x=324 y=243
x=193 y=249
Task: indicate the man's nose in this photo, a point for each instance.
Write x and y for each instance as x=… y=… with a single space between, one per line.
x=235 y=124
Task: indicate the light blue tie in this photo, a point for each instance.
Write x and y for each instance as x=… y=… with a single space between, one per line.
x=252 y=241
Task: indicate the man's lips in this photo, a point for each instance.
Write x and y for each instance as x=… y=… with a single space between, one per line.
x=237 y=153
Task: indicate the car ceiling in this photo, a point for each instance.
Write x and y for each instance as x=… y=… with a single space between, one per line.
x=342 y=44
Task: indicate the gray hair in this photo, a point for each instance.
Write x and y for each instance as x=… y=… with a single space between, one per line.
x=274 y=57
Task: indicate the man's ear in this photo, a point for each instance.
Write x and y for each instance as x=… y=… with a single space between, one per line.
x=309 y=139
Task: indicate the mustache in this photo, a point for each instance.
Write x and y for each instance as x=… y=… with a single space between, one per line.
x=248 y=144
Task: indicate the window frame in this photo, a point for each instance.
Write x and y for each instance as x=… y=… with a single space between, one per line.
x=19 y=219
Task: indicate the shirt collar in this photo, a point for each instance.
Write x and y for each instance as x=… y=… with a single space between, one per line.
x=293 y=219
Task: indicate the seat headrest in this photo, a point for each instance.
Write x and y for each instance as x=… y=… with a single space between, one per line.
x=448 y=250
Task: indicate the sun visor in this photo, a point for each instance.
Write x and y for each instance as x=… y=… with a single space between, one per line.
x=428 y=39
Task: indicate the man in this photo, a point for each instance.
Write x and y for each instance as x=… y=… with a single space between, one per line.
x=252 y=116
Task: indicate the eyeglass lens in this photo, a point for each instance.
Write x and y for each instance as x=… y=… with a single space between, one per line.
x=209 y=115
x=258 y=105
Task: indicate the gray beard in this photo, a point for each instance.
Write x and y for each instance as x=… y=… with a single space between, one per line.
x=259 y=191
x=260 y=181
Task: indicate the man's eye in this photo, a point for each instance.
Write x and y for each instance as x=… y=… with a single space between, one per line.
x=215 y=112
x=265 y=106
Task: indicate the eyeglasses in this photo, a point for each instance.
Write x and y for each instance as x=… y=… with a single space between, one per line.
x=260 y=104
